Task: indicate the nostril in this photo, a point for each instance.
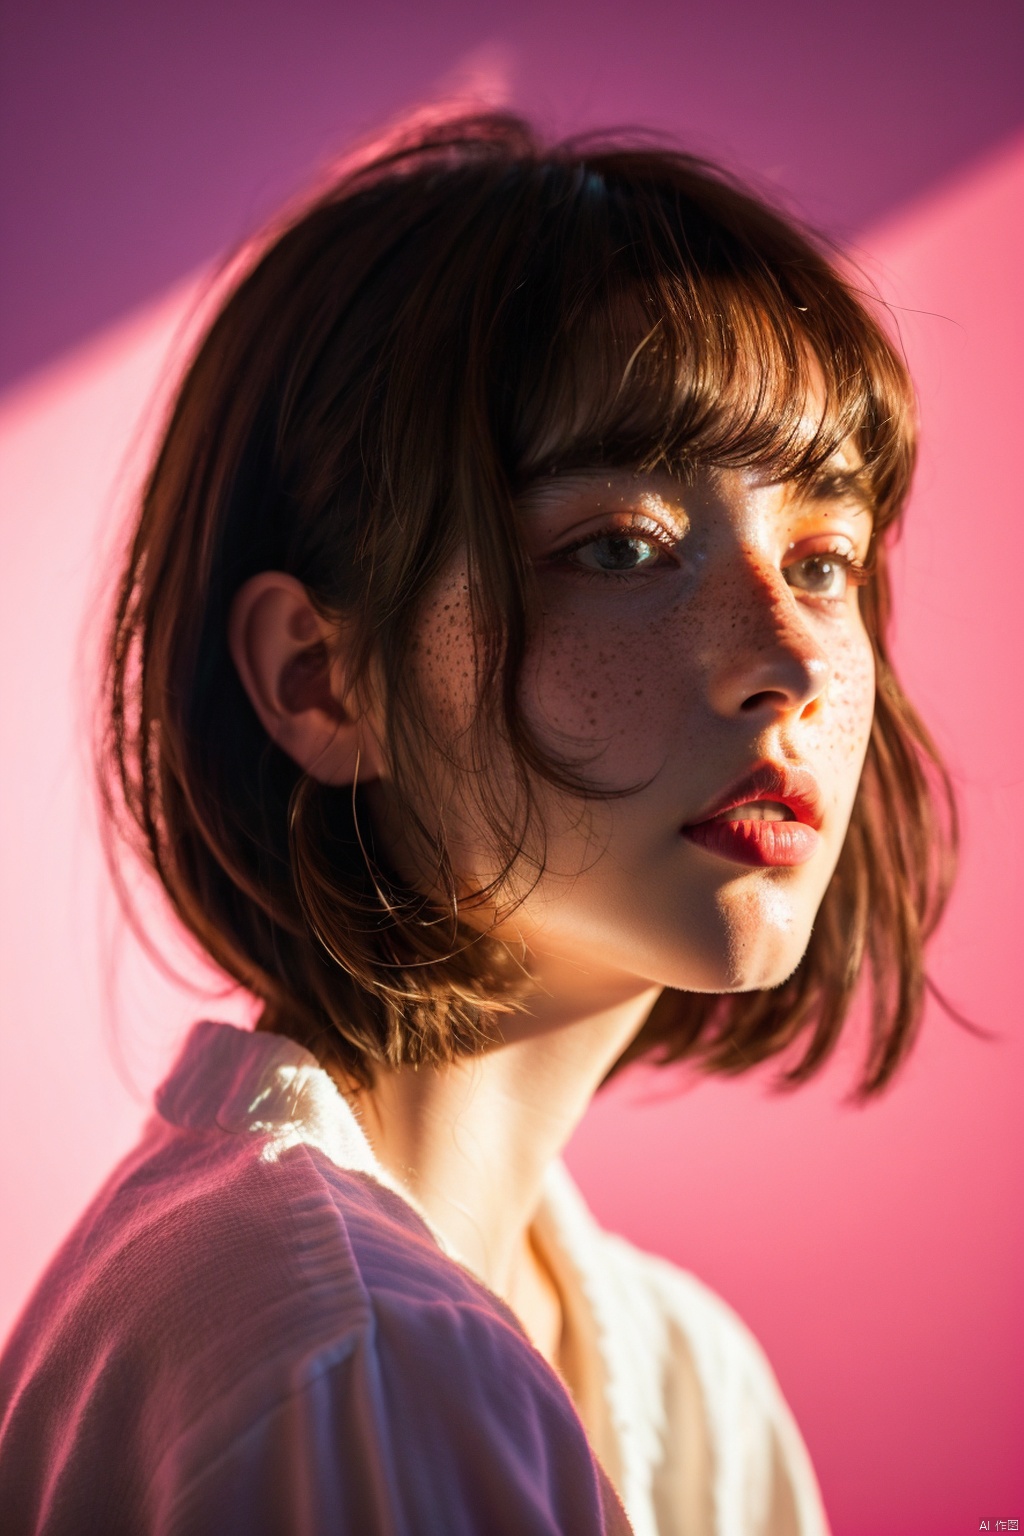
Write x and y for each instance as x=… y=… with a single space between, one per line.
x=769 y=696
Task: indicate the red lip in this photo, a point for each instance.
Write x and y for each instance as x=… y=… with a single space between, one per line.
x=763 y=843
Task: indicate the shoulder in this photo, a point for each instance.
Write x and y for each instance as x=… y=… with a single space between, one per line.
x=200 y=1277
x=213 y=1260
x=239 y=1329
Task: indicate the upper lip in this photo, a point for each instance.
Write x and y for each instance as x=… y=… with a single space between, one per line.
x=794 y=787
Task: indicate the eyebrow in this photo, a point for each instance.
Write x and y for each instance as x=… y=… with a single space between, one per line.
x=828 y=482
x=838 y=483
x=558 y=478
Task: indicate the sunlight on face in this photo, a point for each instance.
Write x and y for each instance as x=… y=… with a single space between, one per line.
x=699 y=645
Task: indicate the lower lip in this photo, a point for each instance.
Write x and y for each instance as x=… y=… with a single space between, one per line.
x=759 y=844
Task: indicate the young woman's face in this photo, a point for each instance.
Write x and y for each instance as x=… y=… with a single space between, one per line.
x=699 y=644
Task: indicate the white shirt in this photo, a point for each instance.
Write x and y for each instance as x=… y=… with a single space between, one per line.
x=252 y=1330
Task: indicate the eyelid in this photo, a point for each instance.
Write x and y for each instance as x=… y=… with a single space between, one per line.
x=843 y=516
x=831 y=543
x=629 y=525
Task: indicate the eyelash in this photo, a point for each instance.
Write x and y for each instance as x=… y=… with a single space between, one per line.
x=858 y=572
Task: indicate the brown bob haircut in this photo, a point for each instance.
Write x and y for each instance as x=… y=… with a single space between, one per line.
x=459 y=312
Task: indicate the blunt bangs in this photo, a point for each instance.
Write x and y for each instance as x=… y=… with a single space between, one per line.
x=648 y=330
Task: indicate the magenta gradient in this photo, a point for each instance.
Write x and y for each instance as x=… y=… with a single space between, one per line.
x=138 y=141
x=878 y=1253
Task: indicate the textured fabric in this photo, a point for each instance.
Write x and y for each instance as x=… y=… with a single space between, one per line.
x=252 y=1330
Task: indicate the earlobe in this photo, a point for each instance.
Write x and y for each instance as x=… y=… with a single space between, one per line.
x=287 y=657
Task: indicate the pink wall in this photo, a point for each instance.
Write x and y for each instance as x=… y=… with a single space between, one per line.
x=877 y=1253
x=138 y=141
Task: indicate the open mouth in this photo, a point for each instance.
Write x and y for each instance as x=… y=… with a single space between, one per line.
x=757 y=810
x=769 y=820
x=766 y=837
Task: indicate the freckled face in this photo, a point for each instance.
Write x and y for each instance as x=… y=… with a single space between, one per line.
x=687 y=635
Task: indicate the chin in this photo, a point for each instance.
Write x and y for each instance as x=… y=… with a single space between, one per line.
x=732 y=962
x=732 y=971
x=765 y=973
x=753 y=939
x=763 y=960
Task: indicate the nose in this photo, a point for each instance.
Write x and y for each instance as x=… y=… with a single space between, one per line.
x=769 y=661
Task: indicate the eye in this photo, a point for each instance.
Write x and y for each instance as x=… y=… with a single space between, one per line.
x=828 y=574
x=618 y=552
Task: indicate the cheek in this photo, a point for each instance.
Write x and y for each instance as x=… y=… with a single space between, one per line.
x=606 y=690
x=850 y=709
x=443 y=657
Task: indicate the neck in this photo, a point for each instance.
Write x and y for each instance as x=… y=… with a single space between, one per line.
x=471 y=1140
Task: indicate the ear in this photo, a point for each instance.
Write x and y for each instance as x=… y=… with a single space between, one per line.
x=292 y=665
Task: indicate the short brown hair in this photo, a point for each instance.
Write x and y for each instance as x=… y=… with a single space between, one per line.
x=376 y=391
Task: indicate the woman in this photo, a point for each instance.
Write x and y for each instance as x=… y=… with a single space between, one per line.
x=499 y=689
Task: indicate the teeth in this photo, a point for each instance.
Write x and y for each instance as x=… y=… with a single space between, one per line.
x=758 y=810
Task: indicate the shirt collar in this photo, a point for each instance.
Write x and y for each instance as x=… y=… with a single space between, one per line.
x=248 y=1082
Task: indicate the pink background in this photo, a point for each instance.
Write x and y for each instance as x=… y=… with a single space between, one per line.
x=878 y=1253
